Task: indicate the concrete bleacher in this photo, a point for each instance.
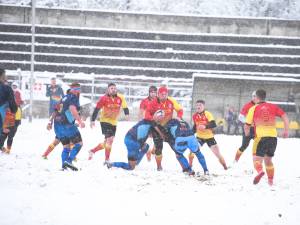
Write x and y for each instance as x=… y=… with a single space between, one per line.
x=123 y=52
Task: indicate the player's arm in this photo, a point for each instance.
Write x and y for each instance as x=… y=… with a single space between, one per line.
x=95 y=114
x=243 y=114
x=211 y=122
x=177 y=107
x=285 y=119
x=242 y=118
x=141 y=113
x=76 y=115
x=125 y=107
x=11 y=100
x=48 y=90
x=142 y=109
x=99 y=105
x=51 y=119
x=194 y=128
x=194 y=124
x=249 y=121
x=61 y=92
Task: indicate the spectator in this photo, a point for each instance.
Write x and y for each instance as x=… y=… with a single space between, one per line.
x=55 y=93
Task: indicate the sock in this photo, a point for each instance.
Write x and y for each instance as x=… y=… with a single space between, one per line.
x=270 y=171
x=98 y=148
x=258 y=166
x=142 y=152
x=191 y=158
x=201 y=160
x=123 y=165
x=107 y=151
x=158 y=159
x=8 y=148
x=65 y=155
x=74 y=152
x=49 y=149
x=238 y=155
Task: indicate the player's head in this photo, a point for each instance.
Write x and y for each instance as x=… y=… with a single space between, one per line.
x=112 y=89
x=14 y=85
x=253 y=96
x=53 y=80
x=200 y=105
x=163 y=93
x=75 y=88
x=261 y=94
x=152 y=91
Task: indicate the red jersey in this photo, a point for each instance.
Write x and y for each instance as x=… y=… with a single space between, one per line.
x=145 y=104
x=168 y=106
x=110 y=108
x=246 y=107
x=203 y=118
x=244 y=111
x=263 y=117
x=18 y=97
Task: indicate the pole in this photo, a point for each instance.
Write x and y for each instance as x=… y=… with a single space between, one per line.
x=33 y=4
x=93 y=91
x=19 y=78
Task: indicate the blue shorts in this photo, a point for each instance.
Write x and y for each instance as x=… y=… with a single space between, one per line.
x=133 y=147
x=65 y=130
x=182 y=143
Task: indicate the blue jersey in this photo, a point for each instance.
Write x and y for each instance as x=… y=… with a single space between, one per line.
x=7 y=97
x=55 y=93
x=7 y=100
x=179 y=128
x=67 y=101
x=140 y=131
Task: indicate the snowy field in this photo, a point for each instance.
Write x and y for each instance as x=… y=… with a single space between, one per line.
x=34 y=191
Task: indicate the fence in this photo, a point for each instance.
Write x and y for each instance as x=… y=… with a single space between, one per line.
x=134 y=88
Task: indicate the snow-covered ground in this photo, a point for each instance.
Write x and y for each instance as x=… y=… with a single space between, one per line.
x=34 y=191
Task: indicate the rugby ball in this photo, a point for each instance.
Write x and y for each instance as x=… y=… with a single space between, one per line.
x=159 y=114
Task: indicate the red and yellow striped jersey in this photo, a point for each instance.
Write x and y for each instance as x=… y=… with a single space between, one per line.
x=263 y=118
x=203 y=118
x=244 y=111
x=110 y=108
x=168 y=106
